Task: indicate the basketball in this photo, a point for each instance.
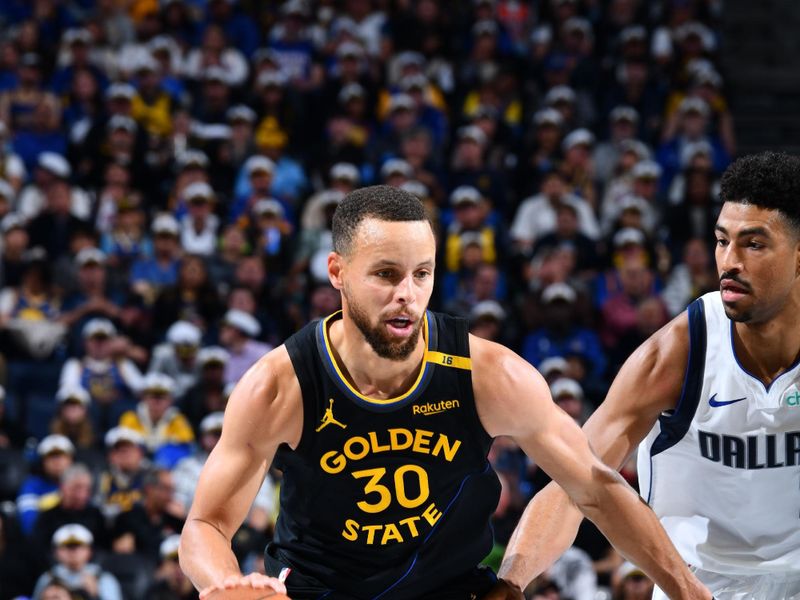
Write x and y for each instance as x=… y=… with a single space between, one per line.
x=247 y=594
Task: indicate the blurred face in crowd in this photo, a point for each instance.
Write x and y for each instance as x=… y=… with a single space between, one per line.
x=566 y=221
x=650 y=316
x=645 y=187
x=386 y=281
x=416 y=148
x=165 y=245
x=469 y=214
x=698 y=186
x=553 y=187
x=233 y=240
x=572 y=405
x=579 y=156
x=76 y=492
x=694 y=125
x=92 y=277
x=209 y=439
x=98 y=347
x=73 y=412
x=484 y=284
x=55 y=463
x=325 y=300
x=73 y=556
x=635 y=277
x=261 y=181
x=59 y=199
x=487 y=328
x=623 y=129
x=242 y=298
x=158 y=496
x=548 y=137
x=55 y=591
x=126 y=456
x=84 y=85
x=157 y=403
x=402 y=119
x=636 y=587
x=631 y=217
x=15 y=241
x=471 y=256
x=193 y=273
x=200 y=209
x=469 y=154
x=559 y=315
x=251 y=273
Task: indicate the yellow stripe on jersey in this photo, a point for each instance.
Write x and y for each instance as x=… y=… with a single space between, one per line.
x=448 y=360
x=381 y=401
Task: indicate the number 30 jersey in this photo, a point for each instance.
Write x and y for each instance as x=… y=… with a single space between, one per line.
x=723 y=470
x=386 y=498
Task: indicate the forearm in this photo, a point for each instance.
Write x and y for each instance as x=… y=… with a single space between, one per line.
x=636 y=532
x=547 y=528
x=205 y=554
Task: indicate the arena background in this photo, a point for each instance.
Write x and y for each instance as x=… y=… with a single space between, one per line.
x=168 y=171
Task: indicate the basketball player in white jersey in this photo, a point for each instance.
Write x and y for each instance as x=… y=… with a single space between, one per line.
x=713 y=402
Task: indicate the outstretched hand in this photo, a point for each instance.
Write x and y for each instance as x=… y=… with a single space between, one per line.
x=246 y=587
x=503 y=590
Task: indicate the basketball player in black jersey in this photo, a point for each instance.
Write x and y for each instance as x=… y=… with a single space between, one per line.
x=381 y=417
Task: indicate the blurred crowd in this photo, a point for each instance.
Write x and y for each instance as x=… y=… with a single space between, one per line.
x=168 y=174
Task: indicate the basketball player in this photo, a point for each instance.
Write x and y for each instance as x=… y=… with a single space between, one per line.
x=381 y=417
x=713 y=398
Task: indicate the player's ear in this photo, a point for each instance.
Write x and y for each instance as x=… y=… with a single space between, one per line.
x=335 y=261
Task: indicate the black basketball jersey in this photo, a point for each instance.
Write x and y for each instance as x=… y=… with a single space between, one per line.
x=386 y=498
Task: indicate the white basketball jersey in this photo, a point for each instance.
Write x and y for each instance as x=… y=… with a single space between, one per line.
x=722 y=471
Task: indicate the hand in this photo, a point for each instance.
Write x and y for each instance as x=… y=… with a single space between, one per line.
x=244 y=587
x=503 y=590
x=89 y=584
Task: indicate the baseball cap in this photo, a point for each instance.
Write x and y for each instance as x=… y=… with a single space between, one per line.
x=633 y=33
x=564 y=386
x=212 y=422
x=485 y=27
x=146 y=63
x=543 y=34
x=73 y=534
x=401 y=102
x=487 y=308
x=121 y=122
x=351 y=91
x=349 y=50
x=78 y=35
x=472 y=133
x=624 y=113
x=558 y=291
x=346 y=171
x=244 y=322
x=192 y=158
x=120 y=90
x=55 y=164
x=98 y=327
x=554 y=364
x=217 y=74
x=579 y=25
x=55 y=443
x=578 y=137
x=628 y=235
x=465 y=194
x=74 y=393
x=548 y=116
x=263 y=55
x=628 y=569
x=331 y=197
x=184 y=333
x=165 y=224
x=117 y=435
x=409 y=58
x=646 y=169
x=199 y=189
x=471 y=238
x=692 y=149
x=415 y=81
x=693 y=104
x=396 y=166
x=241 y=112
x=12 y=221
x=212 y=355
x=90 y=256
x=633 y=202
x=271 y=79
x=560 y=93
x=268 y=206
x=638 y=147
x=259 y=164
x=157 y=382
x=416 y=188
x=169 y=547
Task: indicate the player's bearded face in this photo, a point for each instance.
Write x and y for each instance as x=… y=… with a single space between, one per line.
x=377 y=335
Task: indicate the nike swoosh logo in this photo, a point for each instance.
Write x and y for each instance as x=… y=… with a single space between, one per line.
x=716 y=403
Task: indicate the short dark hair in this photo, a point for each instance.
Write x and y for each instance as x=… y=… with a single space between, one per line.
x=381 y=202
x=768 y=180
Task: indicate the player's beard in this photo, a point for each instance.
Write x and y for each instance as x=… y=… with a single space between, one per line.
x=377 y=336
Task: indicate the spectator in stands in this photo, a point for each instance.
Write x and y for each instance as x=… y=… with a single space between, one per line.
x=630 y=583
x=238 y=336
x=167 y=434
x=74 y=505
x=39 y=491
x=112 y=381
x=120 y=486
x=691 y=278
x=568 y=394
x=150 y=275
x=193 y=298
x=157 y=516
x=170 y=582
x=72 y=546
x=72 y=417
x=207 y=394
x=177 y=357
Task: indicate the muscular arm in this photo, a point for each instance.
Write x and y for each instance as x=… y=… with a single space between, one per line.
x=263 y=412
x=514 y=400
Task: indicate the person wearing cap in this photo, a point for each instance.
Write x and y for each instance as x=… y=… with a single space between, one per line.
x=577 y=165
x=238 y=335
x=315 y=239
x=149 y=275
x=537 y=215
x=12 y=254
x=199 y=225
x=166 y=431
x=630 y=583
x=383 y=341
x=72 y=546
x=206 y=396
x=110 y=379
x=568 y=395
x=487 y=319
x=623 y=124
x=120 y=485
x=214 y=50
x=259 y=173
x=40 y=488
x=691 y=278
x=76 y=57
x=170 y=582
x=561 y=335
x=72 y=417
x=73 y=504
x=567 y=235
x=152 y=106
x=177 y=356
x=242 y=120
x=542 y=153
x=690 y=123
x=469 y=167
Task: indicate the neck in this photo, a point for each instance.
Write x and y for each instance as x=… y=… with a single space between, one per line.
x=769 y=348
x=366 y=371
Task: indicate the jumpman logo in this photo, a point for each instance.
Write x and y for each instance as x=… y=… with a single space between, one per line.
x=329 y=419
